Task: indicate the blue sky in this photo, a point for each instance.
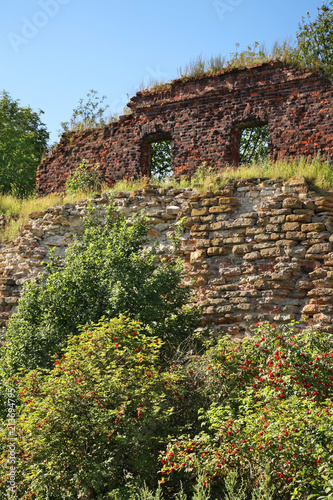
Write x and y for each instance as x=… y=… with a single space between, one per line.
x=53 y=52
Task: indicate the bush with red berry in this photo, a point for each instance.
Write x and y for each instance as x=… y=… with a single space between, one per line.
x=98 y=419
x=270 y=409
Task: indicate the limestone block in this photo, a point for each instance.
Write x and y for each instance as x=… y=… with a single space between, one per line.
x=209 y=202
x=292 y=203
x=207 y=219
x=197 y=228
x=270 y=252
x=244 y=222
x=234 y=240
x=318 y=226
x=233 y=201
x=295 y=235
x=297 y=252
x=284 y=318
x=306 y=217
x=241 y=249
x=230 y=272
x=37 y=231
x=199 y=211
x=222 y=209
x=291 y=226
x=251 y=231
x=213 y=251
x=286 y=243
x=203 y=243
x=273 y=228
x=217 y=242
x=197 y=256
x=320 y=248
x=262 y=237
x=173 y=210
x=218 y=225
x=252 y=256
x=55 y=241
x=224 y=309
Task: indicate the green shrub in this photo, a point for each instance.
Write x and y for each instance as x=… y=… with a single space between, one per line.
x=85 y=178
x=98 y=419
x=270 y=406
x=106 y=273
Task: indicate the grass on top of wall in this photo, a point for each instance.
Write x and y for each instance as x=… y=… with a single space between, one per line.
x=318 y=172
x=19 y=209
x=287 y=52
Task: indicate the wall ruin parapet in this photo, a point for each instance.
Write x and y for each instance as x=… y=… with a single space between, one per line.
x=203 y=116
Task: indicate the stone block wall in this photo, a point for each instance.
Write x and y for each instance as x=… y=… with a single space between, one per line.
x=258 y=249
x=204 y=117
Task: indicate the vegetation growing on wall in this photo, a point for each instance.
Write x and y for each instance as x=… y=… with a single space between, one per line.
x=313 y=49
x=105 y=274
x=85 y=179
x=254 y=54
x=317 y=171
x=88 y=114
x=315 y=39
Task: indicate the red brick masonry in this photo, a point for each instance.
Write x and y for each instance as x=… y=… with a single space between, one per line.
x=204 y=118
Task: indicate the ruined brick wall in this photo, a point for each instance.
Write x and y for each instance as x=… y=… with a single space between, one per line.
x=204 y=118
x=258 y=249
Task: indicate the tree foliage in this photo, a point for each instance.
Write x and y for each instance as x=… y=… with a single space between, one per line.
x=160 y=165
x=23 y=139
x=253 y=144
x=315 y=39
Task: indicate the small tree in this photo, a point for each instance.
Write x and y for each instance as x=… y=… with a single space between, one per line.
x=89 y=114
x=23 y=139
x=315 y=39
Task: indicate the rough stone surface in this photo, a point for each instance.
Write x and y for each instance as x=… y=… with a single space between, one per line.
x=245 y=269
x=204 y=118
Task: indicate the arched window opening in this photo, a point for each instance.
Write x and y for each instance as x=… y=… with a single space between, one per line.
x=160 y=164
x=254 y=144
x=156 y=158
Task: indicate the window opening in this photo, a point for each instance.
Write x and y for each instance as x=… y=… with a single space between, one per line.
x=253 y=144
x=160 y=159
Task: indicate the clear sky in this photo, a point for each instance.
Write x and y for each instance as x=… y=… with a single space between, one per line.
x=53 y=52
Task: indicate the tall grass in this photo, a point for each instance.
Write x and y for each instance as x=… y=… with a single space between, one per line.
x=256 y=54
x=317 y=171
x=21 y=209
x=286 y=52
